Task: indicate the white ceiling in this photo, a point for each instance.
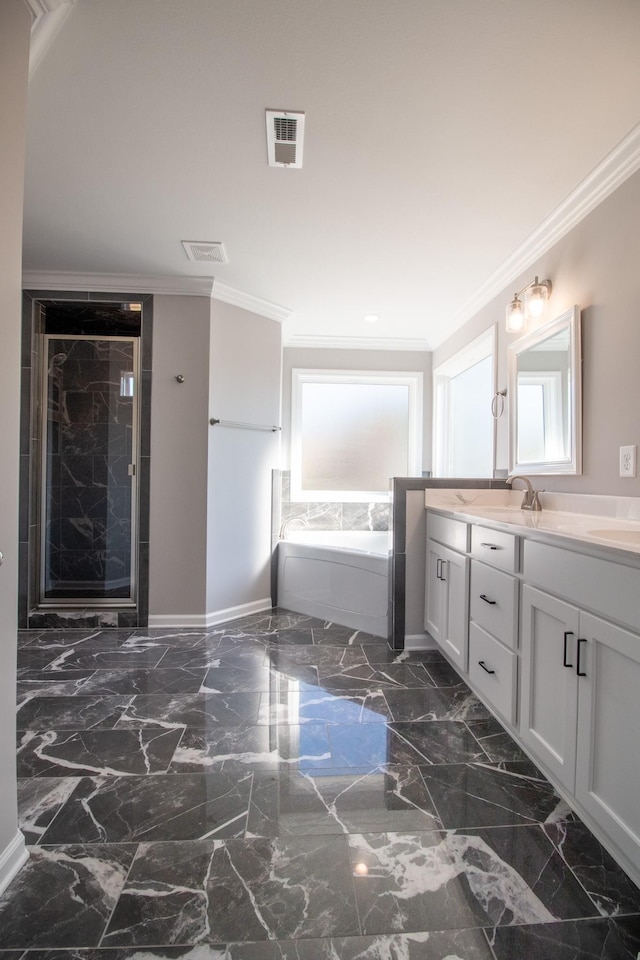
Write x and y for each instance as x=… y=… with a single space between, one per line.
x=439 y=135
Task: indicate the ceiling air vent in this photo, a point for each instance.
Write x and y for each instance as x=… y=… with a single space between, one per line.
x=202 y=251
x=285 y=135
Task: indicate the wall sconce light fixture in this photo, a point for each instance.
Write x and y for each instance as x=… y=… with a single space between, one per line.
x=534 y=307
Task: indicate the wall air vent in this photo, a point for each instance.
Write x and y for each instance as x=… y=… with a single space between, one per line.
x=203 y=251
x=285 y=135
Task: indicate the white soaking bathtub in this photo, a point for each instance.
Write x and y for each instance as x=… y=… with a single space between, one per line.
x=337 y=575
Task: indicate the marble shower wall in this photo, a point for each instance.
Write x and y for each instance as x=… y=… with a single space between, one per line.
x=88 y=534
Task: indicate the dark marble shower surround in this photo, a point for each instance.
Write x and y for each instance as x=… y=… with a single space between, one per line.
x=88 y=527
x=89 y=445
x=280 y=788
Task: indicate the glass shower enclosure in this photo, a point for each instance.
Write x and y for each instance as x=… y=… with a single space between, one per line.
x=88 y=482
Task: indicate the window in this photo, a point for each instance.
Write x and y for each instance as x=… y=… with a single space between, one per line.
x=464 y=430
x=352 y=431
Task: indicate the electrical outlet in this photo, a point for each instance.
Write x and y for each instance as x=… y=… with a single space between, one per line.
x=628 y=457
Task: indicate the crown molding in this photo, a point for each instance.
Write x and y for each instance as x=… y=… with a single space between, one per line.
x=621 y=163
x=227 y=294
x=355 y=343
x=48 y=18
x=116 y=283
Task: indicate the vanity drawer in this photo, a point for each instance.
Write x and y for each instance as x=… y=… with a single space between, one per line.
x=495 y=547
x=493 y=602
x=452 y=533
x=493 y=671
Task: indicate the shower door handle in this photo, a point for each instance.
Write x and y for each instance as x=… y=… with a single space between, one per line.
x=1 y=557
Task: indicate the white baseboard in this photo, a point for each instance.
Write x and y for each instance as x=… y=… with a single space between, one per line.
x=419 y=641
x=13 y=857
x=205 y=620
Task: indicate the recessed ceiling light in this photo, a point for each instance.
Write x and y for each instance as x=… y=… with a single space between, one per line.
x=371 y=318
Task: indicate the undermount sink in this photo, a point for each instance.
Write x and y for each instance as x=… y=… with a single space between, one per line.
x=631 y=536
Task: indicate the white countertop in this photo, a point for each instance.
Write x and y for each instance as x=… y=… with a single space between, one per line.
x=610 y=523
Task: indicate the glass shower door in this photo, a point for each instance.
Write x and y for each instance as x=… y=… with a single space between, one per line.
x=88 y=489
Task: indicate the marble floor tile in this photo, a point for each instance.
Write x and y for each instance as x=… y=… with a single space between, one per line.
x=436 y=945
x=574 y=940
x=64 y=896
x=312 y=704
x=302 y=746
x=130 y=809
x=394 y=676
x=71 y=713
x=495 y=741
x=36 y=683
x=460 y=880
x=209 y=656
x=436 y=703
x=175 y=680
x=434 y=741
x=236 y=890
x=289 y=803
x=249 y=678
x=492 y=795
x=194 y=710
x=282 y=788
x=157 y=636
x=39 y=800
x=97 y=639
x=76 y=753
x=332 y=633
x=313 y=655
x=607 y=884
x=124 y=658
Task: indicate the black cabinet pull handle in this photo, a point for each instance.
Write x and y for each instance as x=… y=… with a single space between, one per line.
x=490 y=546
x=486 y=600
x=442 y=569
x=481 y=663
x=438 y=569
x=567 y=633
x=580 y=673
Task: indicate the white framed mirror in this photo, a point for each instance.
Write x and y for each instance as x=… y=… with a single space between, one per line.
x=545 y=398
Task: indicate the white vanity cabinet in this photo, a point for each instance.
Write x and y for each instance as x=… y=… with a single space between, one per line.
x=447 y=587
x=552 y=630
x=580 y=709
x=493 y=613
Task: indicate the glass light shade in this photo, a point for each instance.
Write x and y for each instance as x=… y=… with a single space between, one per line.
x=536 y=299
x=516 y=320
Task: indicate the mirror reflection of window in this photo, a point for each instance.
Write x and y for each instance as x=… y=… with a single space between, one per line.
x=540 y=417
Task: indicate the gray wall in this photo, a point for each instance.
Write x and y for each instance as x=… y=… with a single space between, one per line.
x=244 y=385
x=595 y=266
x=210 y=523
x=357 y=360
x=179 y=438
x=15 y=24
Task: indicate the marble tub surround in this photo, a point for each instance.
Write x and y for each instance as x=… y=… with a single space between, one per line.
x=283 y=789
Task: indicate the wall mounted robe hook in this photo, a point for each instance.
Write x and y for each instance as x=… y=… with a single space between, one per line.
x=179 y=378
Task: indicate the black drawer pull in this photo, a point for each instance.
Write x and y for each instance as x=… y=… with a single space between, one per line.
x=481 y=663
x=580 y=672
x=486 y=600
x=490 y=546
x=567 y=633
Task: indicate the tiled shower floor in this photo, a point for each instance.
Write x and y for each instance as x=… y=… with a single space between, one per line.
x=282 y=788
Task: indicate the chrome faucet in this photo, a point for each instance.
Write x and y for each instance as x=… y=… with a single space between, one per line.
x=531 y=499
x=284 y=526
